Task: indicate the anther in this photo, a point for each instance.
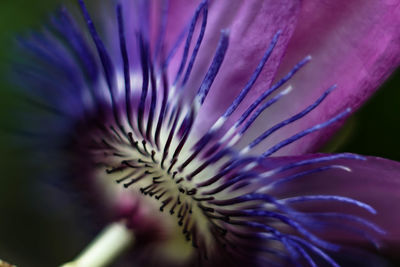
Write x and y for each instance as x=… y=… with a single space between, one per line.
x=153 y=153
x=173 y=161
x=191 y=192
x=144 y=189
x=117 y=169
x=145 y=147
x=172 y=210
x=161 y=195
x=165 y=203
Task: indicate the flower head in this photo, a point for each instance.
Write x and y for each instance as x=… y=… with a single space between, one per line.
x=180 y=121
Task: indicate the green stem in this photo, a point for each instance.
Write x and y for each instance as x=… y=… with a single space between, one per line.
x=105 y=248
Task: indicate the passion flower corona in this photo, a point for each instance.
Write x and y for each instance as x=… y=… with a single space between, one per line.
x=172 y=126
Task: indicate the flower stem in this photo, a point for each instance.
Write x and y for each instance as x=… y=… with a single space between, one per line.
x=5 y=264
x=105 y=248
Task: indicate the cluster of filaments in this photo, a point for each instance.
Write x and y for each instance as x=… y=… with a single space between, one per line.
x=216 y=192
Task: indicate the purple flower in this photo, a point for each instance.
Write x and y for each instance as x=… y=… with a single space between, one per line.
x=189 y=122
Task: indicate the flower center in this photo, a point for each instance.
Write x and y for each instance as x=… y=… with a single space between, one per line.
x=153 y=174
x=158 y=174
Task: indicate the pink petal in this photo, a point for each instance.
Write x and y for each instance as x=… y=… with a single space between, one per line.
x=374 y=181
x=354 y=44
x=178 y=17
x=252 y=27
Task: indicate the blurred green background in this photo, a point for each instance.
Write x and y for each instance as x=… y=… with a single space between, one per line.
x=30 y=236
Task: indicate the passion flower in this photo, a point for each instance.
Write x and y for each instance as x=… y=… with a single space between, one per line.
x=179 y=128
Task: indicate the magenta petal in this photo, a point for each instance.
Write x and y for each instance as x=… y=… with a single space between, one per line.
x=178 y=17
x=354 y=44
x=254 y=25
x=215 y=23
x=374 y=181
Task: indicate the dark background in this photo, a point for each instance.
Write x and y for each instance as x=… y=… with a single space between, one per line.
x=31 y=236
